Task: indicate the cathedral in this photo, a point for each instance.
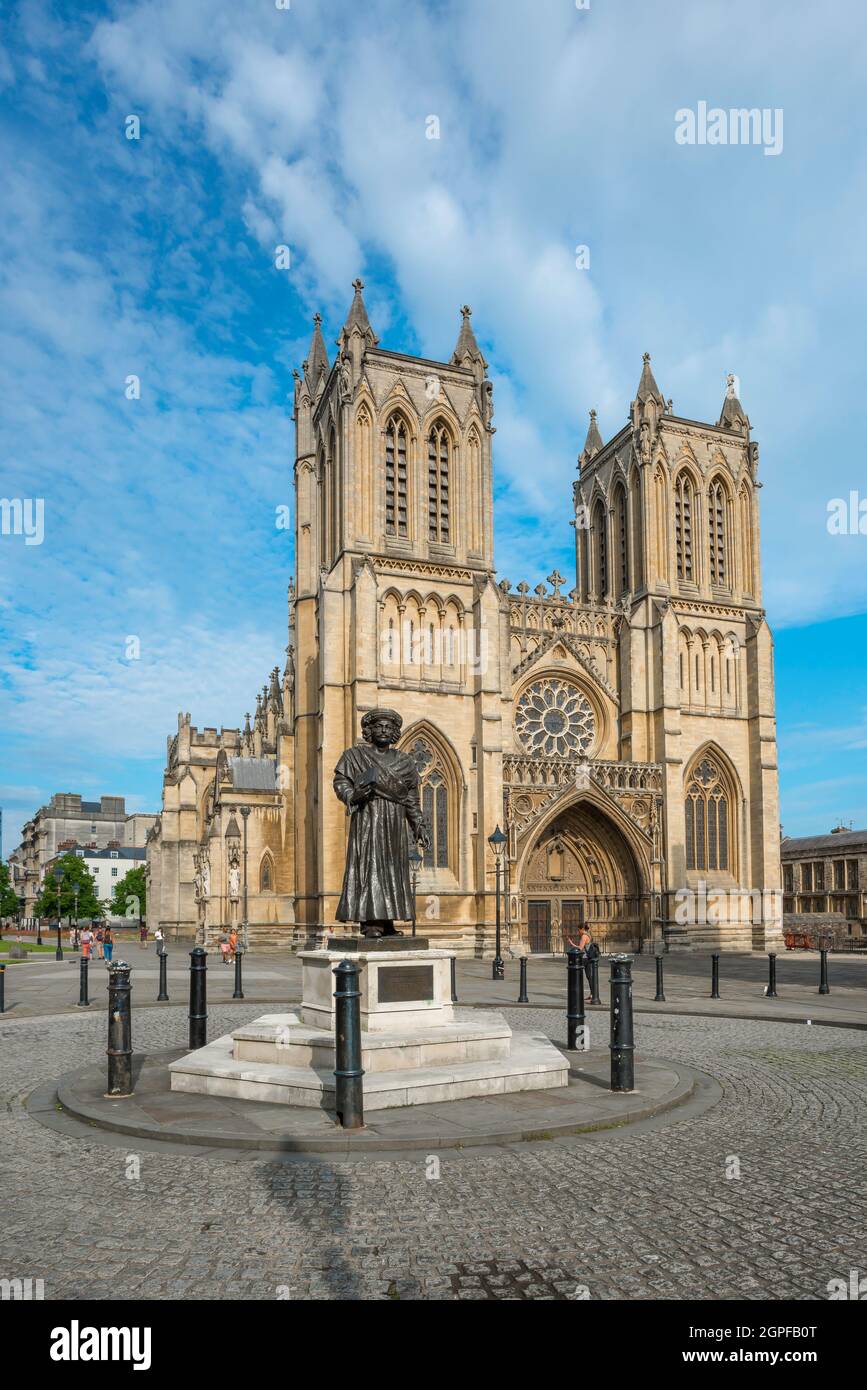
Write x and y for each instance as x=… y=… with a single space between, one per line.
x=620 y=731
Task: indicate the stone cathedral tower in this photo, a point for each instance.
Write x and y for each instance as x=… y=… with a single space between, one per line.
x=622 y=734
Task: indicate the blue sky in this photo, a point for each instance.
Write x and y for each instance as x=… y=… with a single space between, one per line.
x=307 y=127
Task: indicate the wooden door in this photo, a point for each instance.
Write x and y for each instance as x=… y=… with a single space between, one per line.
x=539 y=926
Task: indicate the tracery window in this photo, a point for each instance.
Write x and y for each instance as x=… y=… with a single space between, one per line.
x=434 y=796
x=395 y=478
x=266 y=875
x=707 y=818
x=716 y=519
x=556 y=719
x=622 y=542
x=683 y=514
x=438 y=469
x=601 y=550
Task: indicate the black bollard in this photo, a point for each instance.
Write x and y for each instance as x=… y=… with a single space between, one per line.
x=119 y=1048
x=575 y=1034
x=659 y=996
x=348 y=1071
x=622 y=1036
x=2 y=988
x=198 y=997
x=714 y=977
x=523 y=997
x=58 y=954
x=771 y=992
x=239 y=992
x=163 y=995
x=594 y=981
x=824 y=987
x=454 y=965
x=83 y=1000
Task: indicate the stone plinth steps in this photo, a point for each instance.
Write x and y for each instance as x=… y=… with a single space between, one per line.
x=414 y=1049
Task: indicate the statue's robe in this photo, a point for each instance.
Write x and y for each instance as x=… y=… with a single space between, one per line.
x=376 y=883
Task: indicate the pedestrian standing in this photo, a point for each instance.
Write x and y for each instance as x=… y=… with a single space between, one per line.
x=160 y=940
x=233 y=942
x=99 y=942
x=108 y=944
x=86 y=942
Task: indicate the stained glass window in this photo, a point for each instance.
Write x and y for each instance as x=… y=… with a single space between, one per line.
x=555 y=718
x=707 y=818
x=395 y=478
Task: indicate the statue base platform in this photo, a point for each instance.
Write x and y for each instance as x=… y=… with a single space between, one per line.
x=279 y=1059
x=414 y=1048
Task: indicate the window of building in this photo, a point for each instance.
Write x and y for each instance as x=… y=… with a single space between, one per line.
x=395 y=478
x=683 y=510
x=434 y=797
x=851 y=873
x=806 y=877
x=438 y=470
x=601 y=550
x=839 y=875
x=716 y=518
x=707 y=818
x=622 y=542
x=787 y=878
x=819 y=875
x=114 y=873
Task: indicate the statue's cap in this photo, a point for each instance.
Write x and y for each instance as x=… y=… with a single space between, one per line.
x=374 y=714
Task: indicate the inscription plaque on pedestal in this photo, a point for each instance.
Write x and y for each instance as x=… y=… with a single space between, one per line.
x=404 y=983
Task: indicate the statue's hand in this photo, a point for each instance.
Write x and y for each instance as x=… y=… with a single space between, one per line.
x=422 y=837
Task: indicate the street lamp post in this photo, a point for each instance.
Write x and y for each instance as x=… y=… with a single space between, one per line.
x=415 y=862
x=58 y=879
x=76 y=888
x=497 y=841
x=245 y=927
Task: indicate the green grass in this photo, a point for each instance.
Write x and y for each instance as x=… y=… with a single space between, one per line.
x=42 y=950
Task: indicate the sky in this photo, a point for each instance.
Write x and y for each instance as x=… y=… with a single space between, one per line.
x=308 y=125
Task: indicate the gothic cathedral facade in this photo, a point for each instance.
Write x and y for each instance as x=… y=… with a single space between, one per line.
x=621 y=735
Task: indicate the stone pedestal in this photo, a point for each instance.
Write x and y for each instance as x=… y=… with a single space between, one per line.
x=414 y=1048
x=401 y=989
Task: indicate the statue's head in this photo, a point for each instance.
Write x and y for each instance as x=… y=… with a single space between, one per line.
x=381 y=727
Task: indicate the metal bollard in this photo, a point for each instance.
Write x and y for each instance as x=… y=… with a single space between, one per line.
x=594 y=981
x=239 y=992
x=2 y=987
x=198 y=997
x=348 y=1071
x=523 y=997
x=622 y=1036
x=454 y=965
x=824 y=987
x=575 y=1026
x=58 y=954
x=659 y=996
x=163 y=995
x=83 y=1000
x=119 y=1048
x=714 y=977
x=771 y=992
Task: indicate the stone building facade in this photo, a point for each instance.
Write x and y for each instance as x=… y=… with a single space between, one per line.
x=825 y=883
x=622 y=733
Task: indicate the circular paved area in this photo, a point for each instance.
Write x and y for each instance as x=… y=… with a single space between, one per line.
x=636 y=1213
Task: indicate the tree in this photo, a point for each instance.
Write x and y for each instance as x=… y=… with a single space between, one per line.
x=75 y=871
x=130 y=898
x=9 y=904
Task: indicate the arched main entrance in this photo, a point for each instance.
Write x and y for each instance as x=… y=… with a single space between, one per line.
x=581 y=869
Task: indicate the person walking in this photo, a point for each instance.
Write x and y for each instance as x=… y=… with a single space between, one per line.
x=233 y=942
x=86 y=942
x=99 y=942
x=160 y=940
x=225 y=949
x=107 y=945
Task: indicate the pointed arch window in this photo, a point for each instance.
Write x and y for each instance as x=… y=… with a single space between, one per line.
x=266 y=875
x=622 y=541
x=716 y=519
x=707 y=818
x=601 y=549
x=395 y=477
x=434 y=796
x=438 y=478
x=683 y=518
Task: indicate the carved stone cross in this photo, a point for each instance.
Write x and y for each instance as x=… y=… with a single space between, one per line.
x=555 y=580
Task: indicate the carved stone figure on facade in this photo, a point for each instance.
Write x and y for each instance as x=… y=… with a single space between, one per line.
x=379 y=786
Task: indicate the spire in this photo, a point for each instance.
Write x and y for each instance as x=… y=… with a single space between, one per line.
x=593 y=443
x=733 y=416
x=466 y=346
x=317 y=365
x=357 y=320
x=647 y=387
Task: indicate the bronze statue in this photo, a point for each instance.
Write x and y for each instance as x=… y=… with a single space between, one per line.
x=378 y=784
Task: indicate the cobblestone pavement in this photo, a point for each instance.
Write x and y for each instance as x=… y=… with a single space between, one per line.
x=644 y=1213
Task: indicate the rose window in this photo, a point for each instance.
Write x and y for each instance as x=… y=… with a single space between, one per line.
x=555 y=719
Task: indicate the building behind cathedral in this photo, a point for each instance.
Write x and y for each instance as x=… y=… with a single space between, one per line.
x=620 y=729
